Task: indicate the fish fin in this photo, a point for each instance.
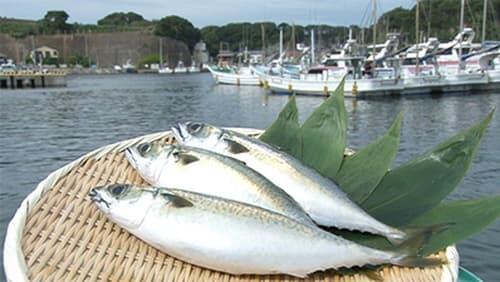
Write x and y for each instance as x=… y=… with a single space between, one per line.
x=409 y=252
x=373 y=274
x=177 y=201
x=370 y=271
x=297 y=274
x=416 y=261
x=235 y=147
x=185 y=158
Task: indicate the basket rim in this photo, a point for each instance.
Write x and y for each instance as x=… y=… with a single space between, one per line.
x=14 y=260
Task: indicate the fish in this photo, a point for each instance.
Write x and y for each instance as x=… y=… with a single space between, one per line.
x=320 y=197
x=235 y=237
x=203 y=171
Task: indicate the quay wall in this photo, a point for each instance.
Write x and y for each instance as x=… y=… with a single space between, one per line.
x=105 y=49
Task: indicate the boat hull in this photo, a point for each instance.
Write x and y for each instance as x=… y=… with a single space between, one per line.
x=235 y=79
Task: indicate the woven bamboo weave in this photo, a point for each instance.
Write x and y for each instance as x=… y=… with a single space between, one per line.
x=66 y=238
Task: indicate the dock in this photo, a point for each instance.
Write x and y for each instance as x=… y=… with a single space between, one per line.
x=32 y=79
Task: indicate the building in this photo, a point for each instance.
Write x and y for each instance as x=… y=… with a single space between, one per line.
x=44 y=52
x=200 y=53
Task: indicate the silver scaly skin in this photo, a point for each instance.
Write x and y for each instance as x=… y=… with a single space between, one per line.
x=230 y=236
x=320 y=197
x=206 y=172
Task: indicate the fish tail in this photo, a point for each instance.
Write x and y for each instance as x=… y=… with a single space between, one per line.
x=398 y=238
x=409 y=252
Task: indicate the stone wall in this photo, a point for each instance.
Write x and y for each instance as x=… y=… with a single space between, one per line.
x=105 y=49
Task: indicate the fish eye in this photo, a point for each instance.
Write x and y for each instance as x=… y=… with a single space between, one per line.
x=144 y=148
x=117 y=190
x=194 y=127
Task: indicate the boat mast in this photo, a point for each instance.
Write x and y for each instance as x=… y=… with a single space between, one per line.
x=483 y=35
x=313 y=59
x=417 y=37
x=262 y=30
x=161 y=52
x=429 y=20
x=374 y=15
x=281 y=43
x=461 y=33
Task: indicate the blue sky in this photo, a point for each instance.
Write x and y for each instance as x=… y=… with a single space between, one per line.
x=208 y=12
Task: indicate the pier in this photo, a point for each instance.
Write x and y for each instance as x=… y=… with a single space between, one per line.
x=32 y=79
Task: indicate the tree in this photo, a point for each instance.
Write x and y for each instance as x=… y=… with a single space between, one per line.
x=178 y=28
x=120 y=18
x=55 y=21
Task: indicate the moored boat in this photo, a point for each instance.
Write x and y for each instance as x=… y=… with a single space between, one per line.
x=241 y=76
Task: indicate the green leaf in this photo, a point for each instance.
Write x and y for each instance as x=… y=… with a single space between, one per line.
x=285 y=131
x=420 y=185
x=467 y=217
x=360 y=173
x=324 y=134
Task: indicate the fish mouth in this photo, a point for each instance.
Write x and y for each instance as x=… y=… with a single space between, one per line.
x=96 y=197
x=177 y=131
x=129 y=154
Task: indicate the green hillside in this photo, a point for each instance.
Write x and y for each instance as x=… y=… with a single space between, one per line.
x=439 y=18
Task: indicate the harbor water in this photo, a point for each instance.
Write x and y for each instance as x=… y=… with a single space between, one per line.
x=44 y=129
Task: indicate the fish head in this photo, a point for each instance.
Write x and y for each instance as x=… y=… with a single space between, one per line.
x=124 y=204
x=197 y=134
x=150 y=158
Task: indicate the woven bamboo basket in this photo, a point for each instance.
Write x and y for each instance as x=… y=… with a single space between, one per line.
x=57 y=234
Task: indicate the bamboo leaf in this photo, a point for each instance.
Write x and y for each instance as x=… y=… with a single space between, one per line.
x=360 y=173
x=467 y=218
x=324 y=134
x=418 y=186
x=285 y=131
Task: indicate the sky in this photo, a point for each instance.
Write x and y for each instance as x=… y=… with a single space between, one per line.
x=209 y=12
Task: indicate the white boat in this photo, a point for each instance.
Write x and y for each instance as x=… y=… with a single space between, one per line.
x=165 y=70
x=193 y=68
x=360 y=80
x=180 y=68
x=241 y=76
x=451 y=52
x=322 y=85
x=128 y=67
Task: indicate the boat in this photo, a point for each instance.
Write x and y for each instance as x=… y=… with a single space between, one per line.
x=165 y=70
x=234 y=76
x=128 y=67
x=57 y=234
x=362 y=76
x=180 y=68
x=194 y=69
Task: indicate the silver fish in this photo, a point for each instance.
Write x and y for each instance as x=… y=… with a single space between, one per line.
x=320 y=197
x=206 y=172
x=231 y=236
